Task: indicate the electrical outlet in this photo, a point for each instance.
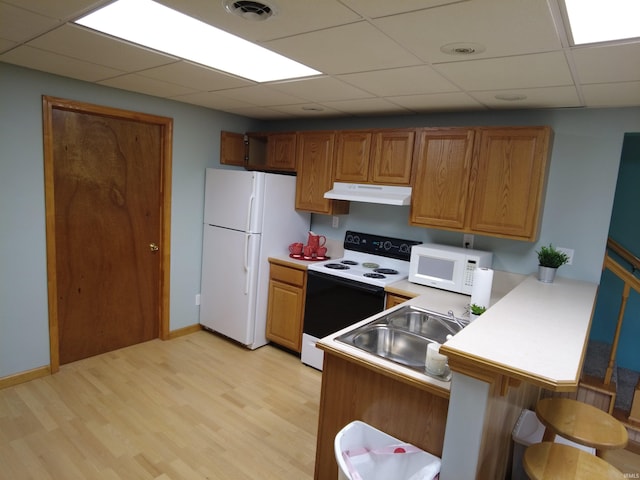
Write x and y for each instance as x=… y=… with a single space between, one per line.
x=568 y=252
x=335 y=222
x=467 y=240
x=197 y=299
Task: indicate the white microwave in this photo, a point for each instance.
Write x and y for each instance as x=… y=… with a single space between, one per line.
x=445 y=267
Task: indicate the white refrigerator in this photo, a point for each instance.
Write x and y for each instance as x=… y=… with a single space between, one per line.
x=248 y=216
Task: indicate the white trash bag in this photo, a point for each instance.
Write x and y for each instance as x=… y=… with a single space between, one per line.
x=365 y=453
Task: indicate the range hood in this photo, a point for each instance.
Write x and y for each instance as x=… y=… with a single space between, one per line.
x=356 y=192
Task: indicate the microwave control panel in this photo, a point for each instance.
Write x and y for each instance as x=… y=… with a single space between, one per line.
x=468 y=272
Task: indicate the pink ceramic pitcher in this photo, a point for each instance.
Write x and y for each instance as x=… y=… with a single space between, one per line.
x=316 y=241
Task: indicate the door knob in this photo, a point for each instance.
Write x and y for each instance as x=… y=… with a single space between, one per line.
x=153 y=247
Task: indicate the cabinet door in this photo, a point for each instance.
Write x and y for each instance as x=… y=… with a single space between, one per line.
x=284 y=315
x=353 y=150
x=441 y=182
x=281 y=155
x=232 y=148
x=315 y=174
x=392 y=156
x=512 y=165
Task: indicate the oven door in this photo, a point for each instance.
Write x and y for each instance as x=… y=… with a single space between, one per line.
x=333 y=303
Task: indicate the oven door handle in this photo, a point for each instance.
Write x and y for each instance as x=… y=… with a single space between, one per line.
x=349 y=283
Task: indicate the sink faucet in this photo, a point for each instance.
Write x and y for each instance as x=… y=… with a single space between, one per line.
x=455 y=319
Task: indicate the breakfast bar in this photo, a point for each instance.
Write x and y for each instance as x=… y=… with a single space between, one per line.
x=533 y=336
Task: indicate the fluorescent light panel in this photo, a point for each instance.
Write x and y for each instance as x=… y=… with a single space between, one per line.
x=161 y=28
x=603 y=20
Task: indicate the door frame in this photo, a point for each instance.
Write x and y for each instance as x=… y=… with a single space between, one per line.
x=166 y=124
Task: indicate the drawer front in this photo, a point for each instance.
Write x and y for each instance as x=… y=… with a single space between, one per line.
x=287 y=275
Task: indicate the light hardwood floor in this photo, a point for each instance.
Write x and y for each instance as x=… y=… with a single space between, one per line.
x=196 y=407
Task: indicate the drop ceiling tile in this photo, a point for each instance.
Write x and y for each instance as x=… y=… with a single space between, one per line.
x=382 y=8
x=367 y=106
x=550 y=97
x=525 y=71
x=319 y=89
x=502 y=27
x=83 y=44
x=261 y=113
x=401 y=81
x=619 y=63
x=20 y=25
x=58 y=64
x=345 y=49
x=195 y=76
x=58 y=9
x=148 y=86
x=211 y=100
x=612 y=94
x=292 y=17
x=6 y=44
x=437 y=102
x=307 y=110
x=260 y=95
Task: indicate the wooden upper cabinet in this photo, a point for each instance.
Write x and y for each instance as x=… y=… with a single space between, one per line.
x=281 y=153
x=274 y=152
x=488 y=181
x=315 y=173
x=232 y=148
x=378 y=156
x=353 y=150
x=512 y=167
x=442 y=174
x=391 y=157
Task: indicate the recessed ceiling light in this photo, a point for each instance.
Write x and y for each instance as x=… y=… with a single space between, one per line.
x=462 y=48
x=510 y=97
x=594 y=21
x=161 y=28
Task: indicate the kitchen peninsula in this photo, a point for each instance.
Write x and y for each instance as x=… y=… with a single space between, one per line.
x=532 y=337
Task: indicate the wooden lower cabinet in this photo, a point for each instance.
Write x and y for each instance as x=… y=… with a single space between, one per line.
x=285 y=309
x=353 y=392
x=394 y=299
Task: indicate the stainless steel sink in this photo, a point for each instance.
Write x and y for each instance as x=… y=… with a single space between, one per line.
x=402 y=336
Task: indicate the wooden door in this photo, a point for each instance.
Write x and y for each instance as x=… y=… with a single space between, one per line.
x=441 y=182
x=107 y=173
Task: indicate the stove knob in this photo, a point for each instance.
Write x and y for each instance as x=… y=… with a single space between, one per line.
x=387 y=245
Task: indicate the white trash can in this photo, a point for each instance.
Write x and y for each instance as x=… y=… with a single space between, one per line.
x=366 y=453
x=527 y=431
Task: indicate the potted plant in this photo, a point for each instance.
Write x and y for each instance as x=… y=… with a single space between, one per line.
x=549 y=260
x=475 y=311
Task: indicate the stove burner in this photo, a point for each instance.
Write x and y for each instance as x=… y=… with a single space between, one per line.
x=386 y=271
x=336 y=266
x=349 y=262
x=373 y=275
x=370 y=265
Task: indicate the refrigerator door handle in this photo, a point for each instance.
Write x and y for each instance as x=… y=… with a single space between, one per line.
x=252 y=199
x=246 y=263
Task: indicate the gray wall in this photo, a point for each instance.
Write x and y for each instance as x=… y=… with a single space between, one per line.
x=24 y=332
x=584 y=165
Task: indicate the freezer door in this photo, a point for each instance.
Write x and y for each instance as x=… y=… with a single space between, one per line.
x=234 y=199
x=229 y=281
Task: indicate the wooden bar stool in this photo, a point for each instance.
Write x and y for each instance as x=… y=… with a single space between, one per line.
x=581 y=423
x=556 y=461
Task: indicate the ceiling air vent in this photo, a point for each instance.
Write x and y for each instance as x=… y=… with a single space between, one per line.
x=256 y=11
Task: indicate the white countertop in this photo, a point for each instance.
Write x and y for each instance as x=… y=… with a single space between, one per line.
x=537 y=333
x=533 y=331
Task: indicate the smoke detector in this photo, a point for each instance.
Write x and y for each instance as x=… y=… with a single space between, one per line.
x=254 y=11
